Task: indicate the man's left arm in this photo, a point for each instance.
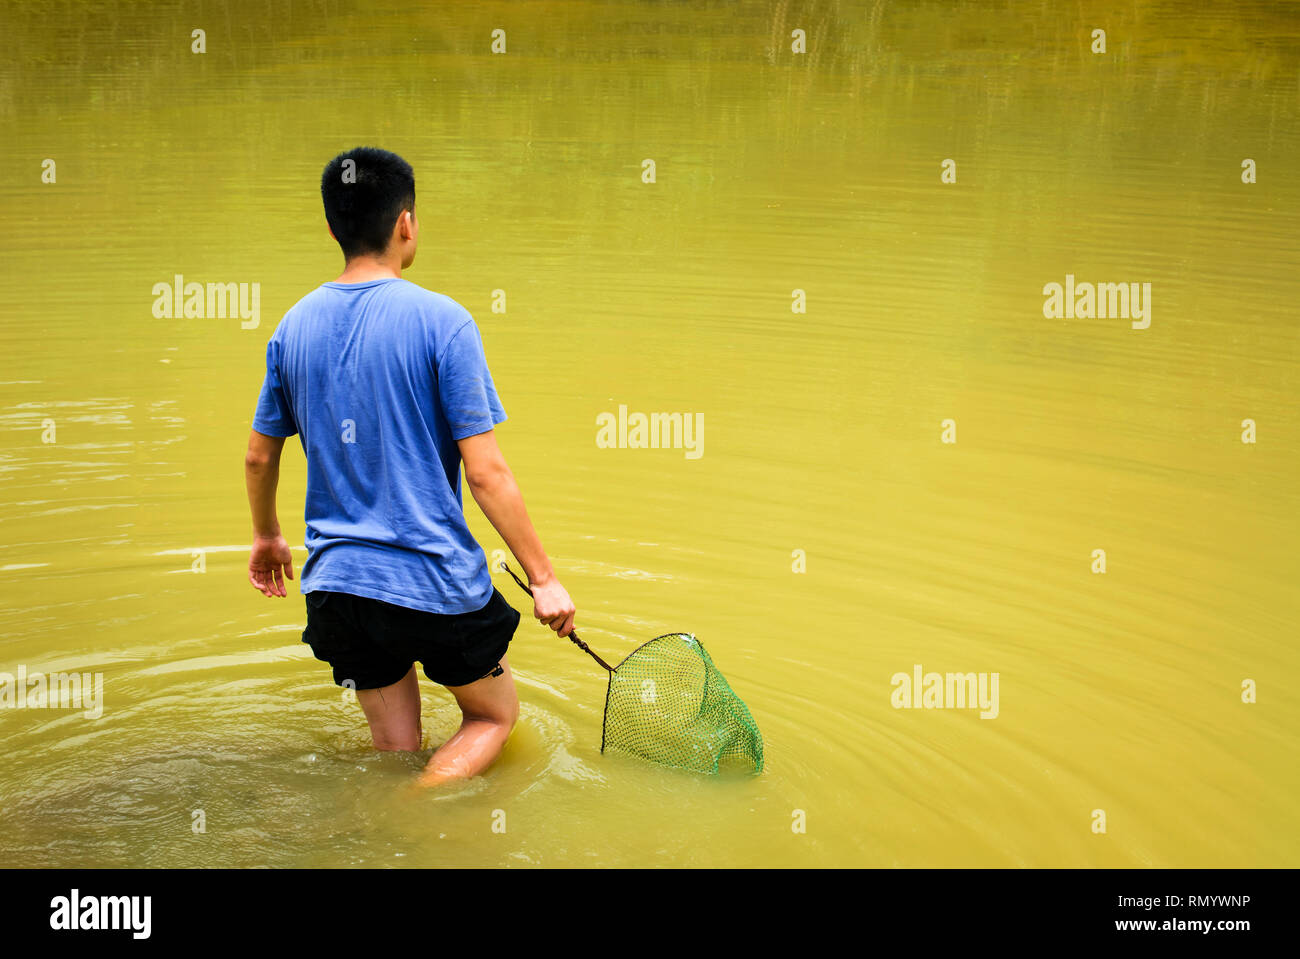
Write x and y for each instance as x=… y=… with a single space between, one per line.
x=270 y=560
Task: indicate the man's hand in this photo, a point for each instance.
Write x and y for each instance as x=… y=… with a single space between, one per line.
x=270 y=555
x=270 y=551
x=551 y=604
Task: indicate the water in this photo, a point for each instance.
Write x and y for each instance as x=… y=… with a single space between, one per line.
x=774 y=172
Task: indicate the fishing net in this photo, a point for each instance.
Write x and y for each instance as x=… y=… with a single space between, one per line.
x=667 y=703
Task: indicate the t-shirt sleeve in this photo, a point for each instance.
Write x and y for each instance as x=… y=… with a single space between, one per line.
x=465 y=389
x=274 y=416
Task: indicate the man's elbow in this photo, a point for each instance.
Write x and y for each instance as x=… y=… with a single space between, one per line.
x=255 y=462
x=487 y=479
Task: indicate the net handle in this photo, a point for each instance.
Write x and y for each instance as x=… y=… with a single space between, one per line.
x=573 y=637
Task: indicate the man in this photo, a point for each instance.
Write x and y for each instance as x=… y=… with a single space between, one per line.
x=387 y=386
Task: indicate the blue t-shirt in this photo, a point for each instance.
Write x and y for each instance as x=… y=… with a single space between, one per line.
x=380 y=380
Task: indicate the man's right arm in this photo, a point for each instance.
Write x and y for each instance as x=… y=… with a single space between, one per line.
x=494 y=488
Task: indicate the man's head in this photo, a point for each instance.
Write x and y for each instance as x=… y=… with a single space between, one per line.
x=369 y=199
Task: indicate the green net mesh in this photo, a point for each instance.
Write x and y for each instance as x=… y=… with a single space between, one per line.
x=669 y=704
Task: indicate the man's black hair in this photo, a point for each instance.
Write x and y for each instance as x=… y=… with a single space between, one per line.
x=364 y=198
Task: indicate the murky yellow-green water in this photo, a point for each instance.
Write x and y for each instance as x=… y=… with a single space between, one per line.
x=775 y=171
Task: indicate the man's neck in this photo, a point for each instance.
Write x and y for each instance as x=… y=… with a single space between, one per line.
x=362 y=269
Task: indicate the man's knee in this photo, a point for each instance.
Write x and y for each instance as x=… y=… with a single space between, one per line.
x=511 y=715
x=504 y=713
x=501 y=710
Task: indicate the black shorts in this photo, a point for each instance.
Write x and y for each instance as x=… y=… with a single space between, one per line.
x=370 y=643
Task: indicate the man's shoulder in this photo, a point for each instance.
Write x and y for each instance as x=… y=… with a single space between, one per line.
x=437 y=317
x=434 y=305
x=309 y=302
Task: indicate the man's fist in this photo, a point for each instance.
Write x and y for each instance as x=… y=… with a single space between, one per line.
x=551 y=604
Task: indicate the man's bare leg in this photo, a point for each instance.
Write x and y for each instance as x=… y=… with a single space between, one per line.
x=394 y=713
x=489 y=709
